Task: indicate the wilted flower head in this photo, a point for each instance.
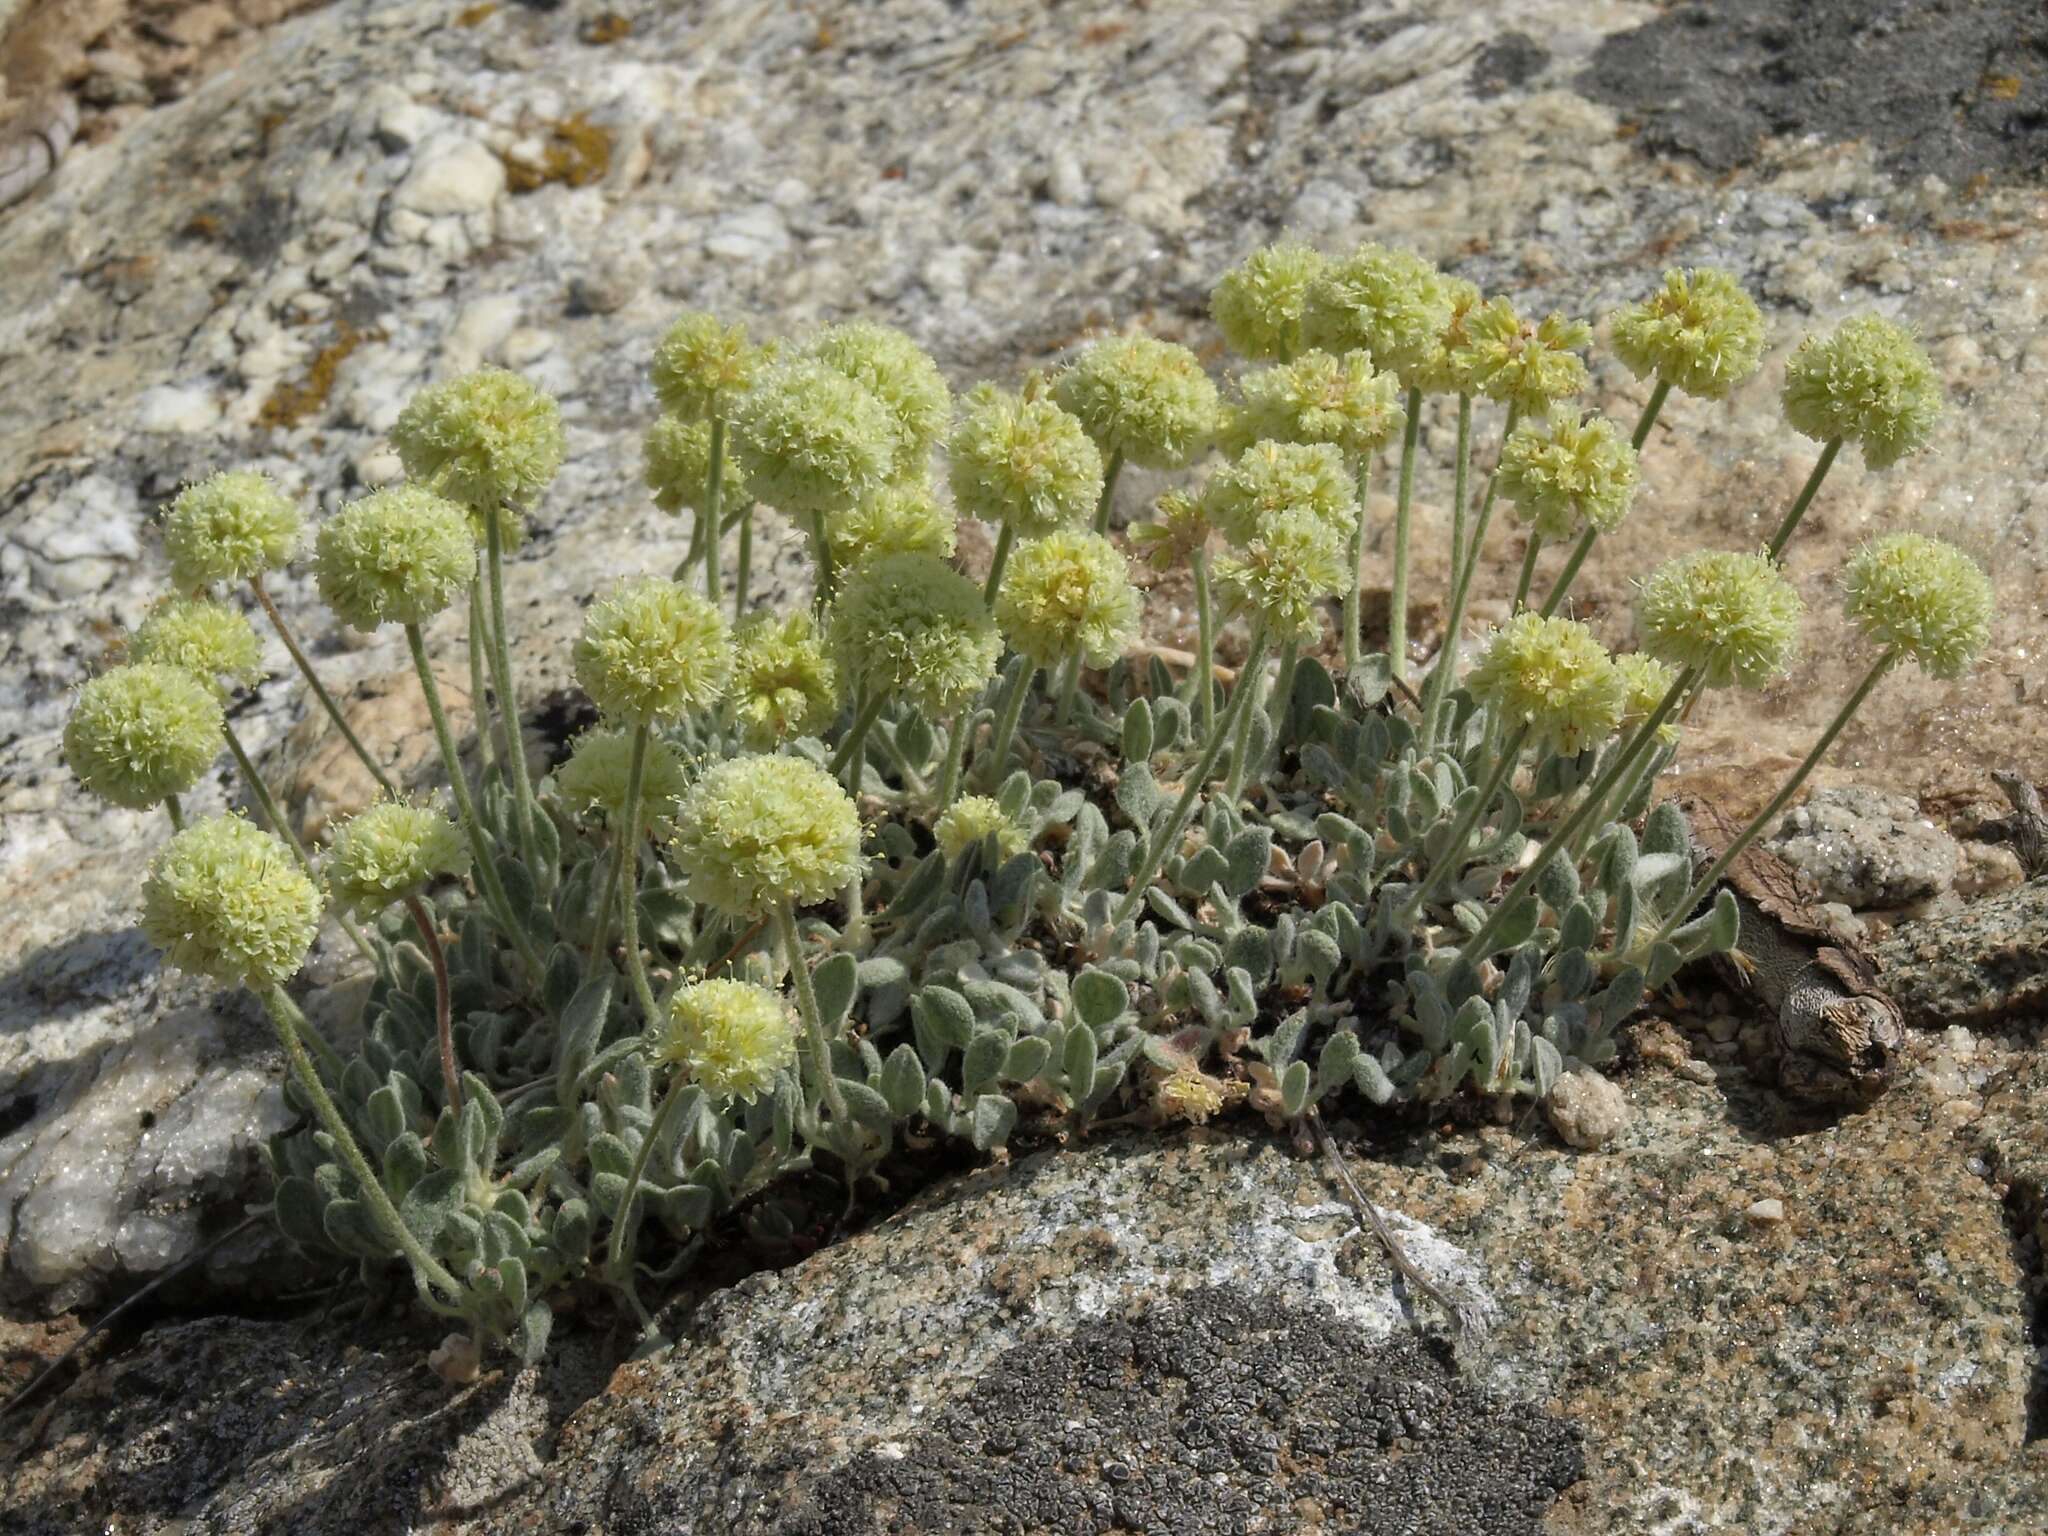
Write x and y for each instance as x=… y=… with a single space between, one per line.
x=1699 y=331
x=900 y=519
x=1390 y=303
x=1319 y=398
x=140 y=734
x=1258 y=304
x=1280 y=477
x=1188 y=1093
x=701 y=362
x=897 y=372
x=1733 y=616
x=653 y=650
x=732 y=1036
x=678 y=467
x=783 y=683
x=1146 y=399
x=390 y=851
x=1177 y=531
x=1922 y=595
x=1565 y=473
x=397 y=556
x=910 y=627
x=812 y=440
x=1530 y=366
x=1281 y=573
x=1068 y=594
x=1647 y=680
x=213 y=641
x=1552 y=676
x=755 y=832
x=1869 y=382
x=1025 y=464
x=229 y=527
x=599 y=771
x=226 y=900
x=488 y=439
x=964 y=823
x=1447 y=369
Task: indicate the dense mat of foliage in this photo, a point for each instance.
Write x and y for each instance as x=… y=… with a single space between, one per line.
x=949 y=855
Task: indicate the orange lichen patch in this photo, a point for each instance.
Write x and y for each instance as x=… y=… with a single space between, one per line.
x=291 y=403
x=476 y=15
x=578 y=153
x=2002 y=87
x=1104 y=31
x=605 y=27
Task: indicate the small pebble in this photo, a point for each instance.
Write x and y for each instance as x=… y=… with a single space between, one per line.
x=1766 y=1213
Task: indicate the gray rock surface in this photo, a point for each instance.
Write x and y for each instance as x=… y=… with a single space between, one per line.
x=1982 y=964
x=1866 y=849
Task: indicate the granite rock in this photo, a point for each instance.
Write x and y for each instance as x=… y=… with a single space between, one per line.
x=1866 y=849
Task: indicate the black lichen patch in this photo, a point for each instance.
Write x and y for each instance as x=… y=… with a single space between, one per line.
x=1222 y=1412
x=1958 y=90
x=1507 y=63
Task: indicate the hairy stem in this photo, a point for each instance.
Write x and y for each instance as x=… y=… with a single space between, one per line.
x=1006 y=720
x=479 y=643
x=1250 y=682
x=1570 y=573
x=508 y=703
x=1110 y=471
x=175 y=812
x=1005 y=537
x=305 y=666
x=956 y=753
x=623 y=1224
x=851 y=758
x=629 y=866
x=1443 y=677
x=1798 y=508
x=444 y=1018
x=821 y=555
x=1202 y=676
x=743 y=565
x=1651 y=409
x=714 y=488
x=1528 y=575
x=1397 y=600
x=825 y=1082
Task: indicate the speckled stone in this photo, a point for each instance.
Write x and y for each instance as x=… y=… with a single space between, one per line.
x=1985 y=963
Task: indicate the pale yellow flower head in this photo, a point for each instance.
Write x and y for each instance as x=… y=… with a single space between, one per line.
x=1530 y=365
x=1146 y=399
x=964 y=823
x=755 y=832
x=900 y=374
x=1068 y=594
x=1700 y=331
x=1564 y=473
x=731 y=1036
x=1555 y=678
x=139 y=734
x=1868 y=382
x=1281 y=574
x=910 y=627
x=1391 y=304
x=784 y=684
x=899 y=519
x=653 y=650
x=1268 y=478
x=398 y=556
x=1319 y=398
x=488 y=439
x=213 y=641
x=599 y=771
x=678 y=468
x=1923 y=596
x=701 y=363
x=390 y=851
x=1258 y=304
x=1733 y=616
x=226 y=900
x=1025 y=464
x=229 y=527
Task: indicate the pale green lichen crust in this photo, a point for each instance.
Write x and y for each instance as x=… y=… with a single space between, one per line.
x=1923 y=596
x=912 y=628
x=653 y=650
x=229 y=527
x=1868 y=382
x=1068 y=595
x=1733 y=616
x=1554 y=678
x=732 y=1037
x=755 y=832
x=142 y=733
x=398 y=556
x=389 y=851
x=226 y=900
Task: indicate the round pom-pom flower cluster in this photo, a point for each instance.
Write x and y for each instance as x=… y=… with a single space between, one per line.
x=1268 y=478
x=1923 y=596
x=1530 y=367
x=1564 y=473
x=1868 y=382
x=783 y=683
x=653 y=650
x=214 y=642
x=1389 y=303
x=900 y=519
x=897 y=372
x=756 y=832
x=912 y=628
x=732 y=1036
x=1555 y=678
x=1143 y=398
x=1319 y=398
x=390 y=851
x=229 y=527
x=1259 y=304
x=1176 y=534
x=1068 y=594
x=139 y=734
x=678 y=466
x=1699 y=331
x=398 y=556
x=1733 y=616
x=700 y=362
x=1447 y=368
x=226 y=900
x=1292 y=561
x=488 y=439
x=812 y=440
x=599 y=770
x=1647 y=680
x=964 y=823
x=1024 y=464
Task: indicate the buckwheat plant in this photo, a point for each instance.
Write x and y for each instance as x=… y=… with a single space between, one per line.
x=963 y=856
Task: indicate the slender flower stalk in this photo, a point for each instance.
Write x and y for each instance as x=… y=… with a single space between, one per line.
x=851 y=757
x=427 y=1270
x=1805 y=497
x=1570 y=573
x=1460 y=489
x=1008 y=713
x=486 y=867
x=1354 y=564
x=629 y=867
x=824 y=1083
x=508 y=707
x=1252 y=685
x=1461 y=831
x=714 y=487
x=326 y=699
x=1168 y=832
x=1652 y=409
x=1528 y=576
x=956 y=754
x=1110 y=471
x=174 y=812
x=626 y=1222
x=444 y=1025
x=743 y=564
x=1397 y=610
x=479 y=645
x=1444 y=675
x=1005 y=537
x=1202 y=675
